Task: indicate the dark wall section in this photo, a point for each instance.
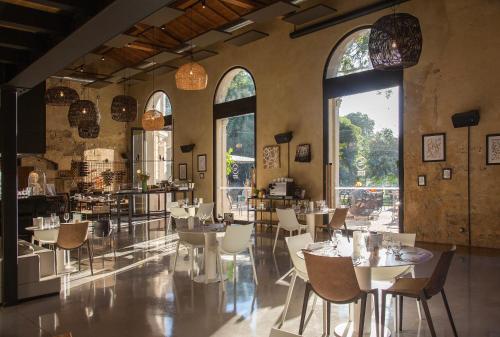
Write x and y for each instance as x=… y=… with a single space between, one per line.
x=31 y=121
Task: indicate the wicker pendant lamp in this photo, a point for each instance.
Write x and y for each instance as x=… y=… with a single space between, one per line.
x=61 y=96
x=191 y=76
x=124 y=107
x=395 y=42
x=82 y=110
x=89 y=124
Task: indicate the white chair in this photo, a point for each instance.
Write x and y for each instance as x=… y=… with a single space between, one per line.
x=192 y=241
x=393 y=273
x=288 y=222
x=47 y=236
x=295 y=244
x=237 y=241
x=206 y=211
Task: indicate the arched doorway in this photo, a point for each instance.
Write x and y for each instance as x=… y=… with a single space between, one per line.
x=234 y=142
x=363 y=129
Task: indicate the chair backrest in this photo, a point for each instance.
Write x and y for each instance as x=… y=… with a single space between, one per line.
x=205 y=210
x=295 y=244
x=406 y=239
x=192 y=238
x=178 y=212
x=287 y=218
x=338 y=218
x=172 y=204
x=438 y=277
x=102 y=228
x=237 y=238
x=72 y=235
x=332 y=278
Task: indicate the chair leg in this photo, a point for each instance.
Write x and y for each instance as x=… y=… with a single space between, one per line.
x=55 y=260
x=112 y=241
x=377 y=313
x=191 y=262
x=346 y=232
x=382 y=315
x=221 y=269
x=176 y=254
x=234 y=268
x=79 y=259
x=288 y=297
x=304 y=308
x=445 y=300
x=428 y=315
x=419 y=311
x=362 y=316
x=276 y=238
x=328 y=317
x=253 y=265
x=91 y=257
x=401 y=313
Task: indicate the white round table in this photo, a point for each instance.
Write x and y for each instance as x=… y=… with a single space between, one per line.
x=311 y=218
x=363 y=268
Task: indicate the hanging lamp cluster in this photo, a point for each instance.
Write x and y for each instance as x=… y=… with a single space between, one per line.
x=84 y=115
x=192 y=75
x=60 y=96
x=395 y=42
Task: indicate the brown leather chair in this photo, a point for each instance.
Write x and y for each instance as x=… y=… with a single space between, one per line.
x=334 y=280
x=74 y=236
x=423 y=289
x=338 y=220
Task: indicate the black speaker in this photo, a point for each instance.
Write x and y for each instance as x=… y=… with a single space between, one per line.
x=464 y=119
x=187 y=148
x=282 y=138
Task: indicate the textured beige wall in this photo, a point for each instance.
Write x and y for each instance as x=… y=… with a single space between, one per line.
x=457 y=71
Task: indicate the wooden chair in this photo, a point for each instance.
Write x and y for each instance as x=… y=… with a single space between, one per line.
x=334 y=280
x=74 y=236
x=423 y=289
x=338 y=220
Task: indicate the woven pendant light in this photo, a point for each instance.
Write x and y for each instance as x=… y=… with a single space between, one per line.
x=82 y=110
x=88 y=129
x=191 y=76
x=395 y=42
x=124 y=108
x=153 y=120
x=61 y=96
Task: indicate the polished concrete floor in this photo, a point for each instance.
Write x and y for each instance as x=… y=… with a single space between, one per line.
x=148 y=299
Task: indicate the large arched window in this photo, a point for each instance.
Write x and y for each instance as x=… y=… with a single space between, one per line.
x=363 y=121
x=234 y=146
x=152 y=150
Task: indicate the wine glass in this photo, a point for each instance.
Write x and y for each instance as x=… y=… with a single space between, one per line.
x=66 y=217
x=396 y=248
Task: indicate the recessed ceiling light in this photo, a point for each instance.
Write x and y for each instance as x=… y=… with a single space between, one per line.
x=238 y=25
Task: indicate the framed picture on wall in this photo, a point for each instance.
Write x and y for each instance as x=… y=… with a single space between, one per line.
x=422 y=180
x=493 y=149
x=183 y=168
x=303 y=153
x=434 y=147
x=271 y=156
x=447 y=174
x=202 y=163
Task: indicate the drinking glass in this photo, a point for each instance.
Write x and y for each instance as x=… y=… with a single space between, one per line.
x=396 y=248
x=66 y=217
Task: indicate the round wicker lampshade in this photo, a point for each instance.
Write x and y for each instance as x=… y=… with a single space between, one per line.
x=191 y=76
x=88 y=129
x=153 y=120
x=61 y=96
x=82 y=110
x=395 y=42
x=124 y=108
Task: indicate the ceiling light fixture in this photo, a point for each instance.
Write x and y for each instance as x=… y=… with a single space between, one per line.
x=61 y=96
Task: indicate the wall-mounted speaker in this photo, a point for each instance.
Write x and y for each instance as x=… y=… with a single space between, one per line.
x=283 y=138
x=187 y=148
x=465 y=119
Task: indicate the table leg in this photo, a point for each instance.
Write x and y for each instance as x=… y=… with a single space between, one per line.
x=119 y=210
x=210 y=256
x=310 y=220
x=130 y=212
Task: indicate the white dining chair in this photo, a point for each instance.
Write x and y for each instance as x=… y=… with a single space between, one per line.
x=288 y=222
x=295 y=244
x=236 y=241
x=45 y=236
x=393 y=273
x=192 y=241
x=206 y=211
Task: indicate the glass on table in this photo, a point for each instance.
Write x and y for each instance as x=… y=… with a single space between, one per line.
x=396 y=248
x=66 y=217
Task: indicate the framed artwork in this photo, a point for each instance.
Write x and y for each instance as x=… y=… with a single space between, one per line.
x=228 y=217
x=447 y=172
x=434 y=147
x=271 y=156
x=202 y=163
x=493 y=149
x=202 y=175
x=183 y=171
x=422 y=180
x=303 y=153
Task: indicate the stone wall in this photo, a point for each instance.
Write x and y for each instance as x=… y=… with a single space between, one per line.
x=457 y=72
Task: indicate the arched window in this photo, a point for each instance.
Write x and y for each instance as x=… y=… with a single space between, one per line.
x=152 y=150
x=234 y=147
x=351 y=55
x=364 y=123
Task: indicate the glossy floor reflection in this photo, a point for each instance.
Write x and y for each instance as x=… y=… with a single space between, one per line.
x=150 y=300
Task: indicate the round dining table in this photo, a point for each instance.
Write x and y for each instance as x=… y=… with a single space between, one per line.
x=311 y=218
x=48 y=234
x=363 y=266
x=209 y=231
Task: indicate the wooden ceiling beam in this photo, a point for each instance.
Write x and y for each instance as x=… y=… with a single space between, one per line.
x=16 y=39
x=240 y=3
x=63 y=5
x=14 y=56
x=28 y=19
x=222 y=4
